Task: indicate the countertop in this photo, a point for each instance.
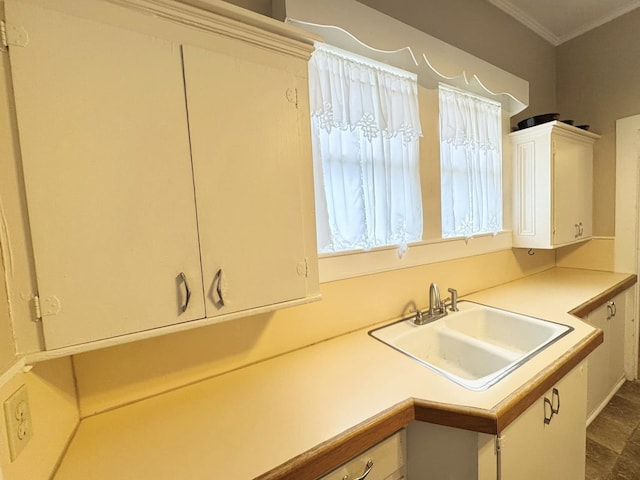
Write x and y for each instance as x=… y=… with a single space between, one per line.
x=299 y=414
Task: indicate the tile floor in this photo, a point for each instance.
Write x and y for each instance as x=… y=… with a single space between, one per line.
x=613 y=438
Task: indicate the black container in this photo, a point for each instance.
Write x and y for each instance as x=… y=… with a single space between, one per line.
x=537 y=120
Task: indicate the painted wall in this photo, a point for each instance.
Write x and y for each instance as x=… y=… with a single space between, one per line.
x=7 y=348
x=54 y=412
x=598 y=82
x=485 y=31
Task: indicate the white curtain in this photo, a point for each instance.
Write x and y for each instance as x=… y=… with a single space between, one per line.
x=470 y=164
x=365 y=128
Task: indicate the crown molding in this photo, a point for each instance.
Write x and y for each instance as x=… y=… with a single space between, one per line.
x=600 y=21
x=528 y=21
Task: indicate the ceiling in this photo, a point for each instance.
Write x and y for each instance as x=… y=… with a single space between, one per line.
x=559 y=21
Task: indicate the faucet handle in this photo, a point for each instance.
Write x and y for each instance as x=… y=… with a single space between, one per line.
x=419 y=317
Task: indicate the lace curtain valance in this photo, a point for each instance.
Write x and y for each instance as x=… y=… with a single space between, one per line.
x=350 y=93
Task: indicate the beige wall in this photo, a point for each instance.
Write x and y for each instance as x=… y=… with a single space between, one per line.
x=260 y=6
x=599 y=82
x=485 y=31
x=7 y=347
x=54 y=413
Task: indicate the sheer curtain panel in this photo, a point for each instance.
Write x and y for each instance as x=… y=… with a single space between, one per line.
x=365 y=131
x=470 y=164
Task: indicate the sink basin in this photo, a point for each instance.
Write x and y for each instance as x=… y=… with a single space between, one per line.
x=474 y=347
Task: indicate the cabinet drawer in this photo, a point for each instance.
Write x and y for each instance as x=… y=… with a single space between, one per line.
x=388 y=459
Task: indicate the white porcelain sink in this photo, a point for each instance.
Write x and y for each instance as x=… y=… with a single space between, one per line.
x=474 y=347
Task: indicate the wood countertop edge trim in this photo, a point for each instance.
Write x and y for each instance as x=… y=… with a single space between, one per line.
x=458 y=416
x=514 y=405
x=587 y=307
x=328 y=455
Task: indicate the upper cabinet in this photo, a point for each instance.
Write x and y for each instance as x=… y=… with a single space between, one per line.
x=167 y=166
x=552 y=185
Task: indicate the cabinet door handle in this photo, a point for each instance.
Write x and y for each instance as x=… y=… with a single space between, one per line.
x=555 y=396
x=547 y=419
x=183 y=277
x=367 y=471
x=217 y=281
x=611 y=310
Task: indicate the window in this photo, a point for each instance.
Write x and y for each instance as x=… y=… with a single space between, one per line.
x=365 y=128
x=470 y=164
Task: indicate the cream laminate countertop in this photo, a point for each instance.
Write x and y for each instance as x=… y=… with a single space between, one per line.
x=294 y=415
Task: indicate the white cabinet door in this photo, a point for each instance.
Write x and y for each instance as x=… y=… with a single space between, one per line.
x=606 y=362
x=244 y=130
x=107 y=169
x=532 y=449
x=572 y=189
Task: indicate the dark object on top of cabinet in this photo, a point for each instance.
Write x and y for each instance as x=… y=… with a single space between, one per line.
x=537 y=120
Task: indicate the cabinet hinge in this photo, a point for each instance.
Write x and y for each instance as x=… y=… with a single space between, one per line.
x=499 y=443
x=13 y=35
x=292 y=96
x=48 y=306
x=303 y=268
x=3 y=35
x=36 y=308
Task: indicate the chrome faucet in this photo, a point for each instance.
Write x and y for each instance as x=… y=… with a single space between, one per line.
x=437 y=308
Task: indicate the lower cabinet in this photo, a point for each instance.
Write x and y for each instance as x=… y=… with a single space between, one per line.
x=384 y=461
x=546 y=441
x=606 y=363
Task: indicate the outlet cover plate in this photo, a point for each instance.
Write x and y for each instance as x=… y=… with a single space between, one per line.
x=17 y=416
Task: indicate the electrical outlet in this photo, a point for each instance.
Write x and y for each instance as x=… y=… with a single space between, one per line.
x=18 y=419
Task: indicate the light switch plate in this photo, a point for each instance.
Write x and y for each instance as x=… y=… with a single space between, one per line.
x=17 y=416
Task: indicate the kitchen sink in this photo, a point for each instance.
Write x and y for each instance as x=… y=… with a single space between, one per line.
x=476 y=346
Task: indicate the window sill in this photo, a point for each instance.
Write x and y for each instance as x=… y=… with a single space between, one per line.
x=338 y=266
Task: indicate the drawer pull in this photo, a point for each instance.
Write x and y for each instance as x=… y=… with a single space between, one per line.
x=367 y=471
